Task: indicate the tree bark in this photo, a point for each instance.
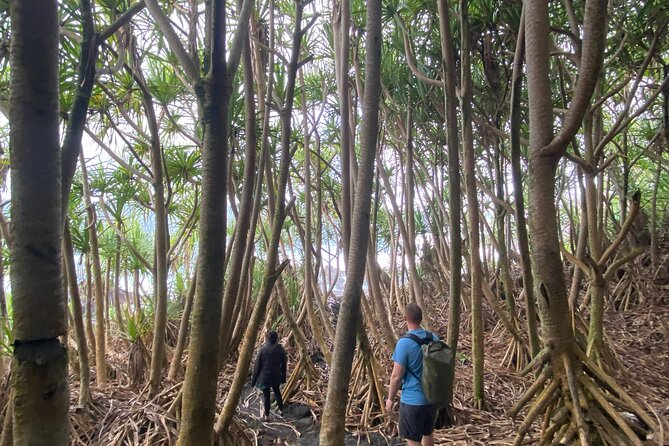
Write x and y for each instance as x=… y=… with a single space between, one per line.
x=39 y=362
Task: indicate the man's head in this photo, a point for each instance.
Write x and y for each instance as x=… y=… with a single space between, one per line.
x=413 y=315
x=272 y=336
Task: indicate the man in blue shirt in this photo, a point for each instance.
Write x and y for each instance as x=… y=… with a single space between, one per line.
x=417 y=415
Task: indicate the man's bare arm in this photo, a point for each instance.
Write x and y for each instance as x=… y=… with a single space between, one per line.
x=395 y=384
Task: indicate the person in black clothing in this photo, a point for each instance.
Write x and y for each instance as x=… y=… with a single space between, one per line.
x=269 y=371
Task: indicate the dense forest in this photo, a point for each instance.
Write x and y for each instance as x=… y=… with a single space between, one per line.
x=178 y=178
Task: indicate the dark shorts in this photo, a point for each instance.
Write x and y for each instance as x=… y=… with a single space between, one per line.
x=416 y=421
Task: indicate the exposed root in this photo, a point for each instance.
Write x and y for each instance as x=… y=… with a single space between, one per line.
x=365 y=407
x=580 y=401
x=303 y=376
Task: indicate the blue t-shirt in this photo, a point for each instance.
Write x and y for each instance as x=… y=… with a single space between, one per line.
x=409 y=355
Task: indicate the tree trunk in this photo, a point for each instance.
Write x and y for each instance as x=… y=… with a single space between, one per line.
x=100 y=335
x=117 y=285
x=518 y=197
x=332 y=426
x=39 y=363
x=175 y=365
x=472 y=208
x=79 y=330
x=341 y=25
x=272 y=268
x=454 y=193
x=245 y=209
x=161 y=260
x=317 y=328
x=90 y=333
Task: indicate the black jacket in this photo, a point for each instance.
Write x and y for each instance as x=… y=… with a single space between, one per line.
x=270 y=366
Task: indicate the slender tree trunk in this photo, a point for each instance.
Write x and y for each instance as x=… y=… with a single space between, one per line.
x=90 y=333
x=341 y=28
x=175 y=365
x=407 y=241
x=161 y=260
x=518 y=197
x=272 y=268
x=39 y=362
x=117 y=285
x=245 y=209
x=79 y=330
x=654 y=248
x=317 y=329
x=332 y=426
x=454 y=193
x=100 y=335
x=472 y=208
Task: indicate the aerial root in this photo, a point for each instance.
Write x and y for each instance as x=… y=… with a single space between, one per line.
x=537 y=362
x=516 y=355
x=529 y=393
x=304 y=375
x=579 y=403
x=575 y=401
x=368 y=391
x=234 y=436
x=547 y=396
x=560 y=421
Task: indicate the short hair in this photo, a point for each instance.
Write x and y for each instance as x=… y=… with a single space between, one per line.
x=272 y=336
x=413 y=313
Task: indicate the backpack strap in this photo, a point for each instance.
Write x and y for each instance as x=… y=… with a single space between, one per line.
x=428 y=338
x=420 y=343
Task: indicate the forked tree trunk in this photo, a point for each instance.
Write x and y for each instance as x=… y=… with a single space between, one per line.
x=332 y=426
x=39 y=364
x=563 y=357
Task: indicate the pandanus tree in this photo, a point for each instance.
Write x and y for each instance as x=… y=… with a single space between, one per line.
x=332 y=430
x=211 y=80
x=565 y=362
x=39 y=358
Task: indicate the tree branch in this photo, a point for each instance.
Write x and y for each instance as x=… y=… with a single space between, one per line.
x=173 y=40
x=410 y=57
x=239 y=37
x=592 y=57
x=122 y=21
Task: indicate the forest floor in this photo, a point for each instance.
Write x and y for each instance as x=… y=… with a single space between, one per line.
x=639 y=336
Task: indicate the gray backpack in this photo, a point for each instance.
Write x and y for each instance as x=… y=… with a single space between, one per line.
x=438 y=369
